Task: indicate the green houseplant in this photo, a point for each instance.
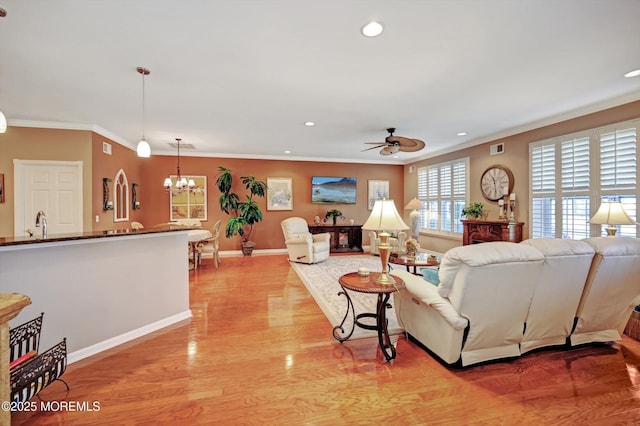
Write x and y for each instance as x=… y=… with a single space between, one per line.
x=474 y=210
x=243 y=214
x=333 y=214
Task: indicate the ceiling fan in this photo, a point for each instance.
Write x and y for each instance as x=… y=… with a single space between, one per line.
x=393 y=144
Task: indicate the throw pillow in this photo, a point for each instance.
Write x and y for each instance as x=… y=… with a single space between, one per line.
x=431 y=276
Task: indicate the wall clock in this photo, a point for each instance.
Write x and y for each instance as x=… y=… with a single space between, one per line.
x=494 y=180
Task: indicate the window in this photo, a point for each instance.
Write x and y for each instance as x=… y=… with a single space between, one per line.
x=572 y=175
x=442 y=188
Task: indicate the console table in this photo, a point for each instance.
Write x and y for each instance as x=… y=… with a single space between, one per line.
x=482 y=231
x=344 y=238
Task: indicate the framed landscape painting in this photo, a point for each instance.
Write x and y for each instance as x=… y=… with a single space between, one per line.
x=279 y=193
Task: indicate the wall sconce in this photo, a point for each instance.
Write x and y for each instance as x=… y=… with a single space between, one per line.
x=106 y=203
x=135 y=204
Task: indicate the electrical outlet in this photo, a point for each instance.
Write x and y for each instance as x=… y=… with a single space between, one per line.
x=97 y=218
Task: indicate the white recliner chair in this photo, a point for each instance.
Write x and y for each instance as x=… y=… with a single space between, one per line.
x=396 y=243
x=302 y=245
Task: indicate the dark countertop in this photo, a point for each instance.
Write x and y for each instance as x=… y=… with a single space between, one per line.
x=37 y=239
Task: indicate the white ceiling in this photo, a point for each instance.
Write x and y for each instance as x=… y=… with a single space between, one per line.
x=240 y=77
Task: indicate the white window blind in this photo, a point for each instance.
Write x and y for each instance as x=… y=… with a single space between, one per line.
x=572 y=175
x=443 y=190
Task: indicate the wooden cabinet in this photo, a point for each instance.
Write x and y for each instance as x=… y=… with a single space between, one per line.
x=482 y=231
x=344 y=238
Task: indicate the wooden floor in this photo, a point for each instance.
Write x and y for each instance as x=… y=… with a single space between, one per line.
x=259 y=351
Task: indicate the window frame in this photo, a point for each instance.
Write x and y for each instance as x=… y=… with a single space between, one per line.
x=564 y=193
x=457 y=197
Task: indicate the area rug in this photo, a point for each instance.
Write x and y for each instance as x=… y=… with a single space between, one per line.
x=321 y=279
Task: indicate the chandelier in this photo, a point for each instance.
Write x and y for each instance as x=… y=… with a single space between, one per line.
x=182 y=184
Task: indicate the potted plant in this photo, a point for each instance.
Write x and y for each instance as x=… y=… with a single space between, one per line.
x=474 y=210
x=244 y=214
x=333 y=214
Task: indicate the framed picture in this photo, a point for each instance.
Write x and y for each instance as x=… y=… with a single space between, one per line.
x=189 y=204
x=2 y=188
x=279 y=193
x=377 y=190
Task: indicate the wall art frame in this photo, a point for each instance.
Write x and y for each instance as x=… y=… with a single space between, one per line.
x=376 y=190
x=279 y=193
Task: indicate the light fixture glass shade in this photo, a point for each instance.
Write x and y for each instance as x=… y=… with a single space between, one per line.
x=612 y=213
x=3 y=123
x=167 y=183
x=143 y=149
x=192 y=183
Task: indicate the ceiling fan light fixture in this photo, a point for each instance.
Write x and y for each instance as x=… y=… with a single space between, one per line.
x=372 y=29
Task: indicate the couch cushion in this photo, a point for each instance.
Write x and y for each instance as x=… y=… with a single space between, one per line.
x=480 y=255
x=552 y=247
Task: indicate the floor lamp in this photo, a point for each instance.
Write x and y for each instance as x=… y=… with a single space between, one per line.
x=414 y=205
x=611 y=213
x=384 y=217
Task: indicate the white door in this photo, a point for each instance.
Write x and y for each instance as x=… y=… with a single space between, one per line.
x=55 y=187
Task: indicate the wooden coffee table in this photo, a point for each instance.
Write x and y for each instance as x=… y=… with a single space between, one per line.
x=421 y=259
x=355 y=282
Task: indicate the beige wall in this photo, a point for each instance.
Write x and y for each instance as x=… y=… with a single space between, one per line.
x=50 y=144
x=43 y=144
x=516 y=158
x=267 y=234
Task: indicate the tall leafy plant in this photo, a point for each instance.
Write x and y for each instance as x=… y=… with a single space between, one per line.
x=243 y=213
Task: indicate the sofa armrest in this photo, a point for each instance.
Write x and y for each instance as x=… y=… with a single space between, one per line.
x=428 y=294
x=324 y=237
x=299 y=240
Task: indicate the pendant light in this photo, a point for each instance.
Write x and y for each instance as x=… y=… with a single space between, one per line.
x=3 y=123
x=143 y=149
x=3 y=119
x=182 y=184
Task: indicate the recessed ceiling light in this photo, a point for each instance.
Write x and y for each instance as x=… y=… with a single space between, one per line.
x=309 y=123
x=287 y=152
x=462 y=133
x=372 y=29
x=633 y=73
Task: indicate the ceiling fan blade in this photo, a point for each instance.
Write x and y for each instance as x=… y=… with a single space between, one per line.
x=373 y=147
x=411 y=145
x=376 y=143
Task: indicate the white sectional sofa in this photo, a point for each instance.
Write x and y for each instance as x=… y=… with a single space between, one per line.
x=499 y=300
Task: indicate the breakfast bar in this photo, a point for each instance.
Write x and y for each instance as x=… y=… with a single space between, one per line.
x=98 y=289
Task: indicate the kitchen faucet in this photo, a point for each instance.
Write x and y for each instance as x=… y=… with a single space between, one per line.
x=44 y=223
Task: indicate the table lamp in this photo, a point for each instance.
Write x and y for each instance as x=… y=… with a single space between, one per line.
x=384 y=217
x=414 y=205
x=611 y=213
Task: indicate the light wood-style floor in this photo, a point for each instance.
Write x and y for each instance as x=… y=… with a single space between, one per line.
x=259 y=351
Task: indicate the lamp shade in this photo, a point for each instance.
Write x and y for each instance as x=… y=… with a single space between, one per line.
x=385 y=217
x=612 y=213
x=414 y=204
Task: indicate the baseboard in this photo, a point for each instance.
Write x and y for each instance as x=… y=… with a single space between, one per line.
x=237 y=253
x=126 y=337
